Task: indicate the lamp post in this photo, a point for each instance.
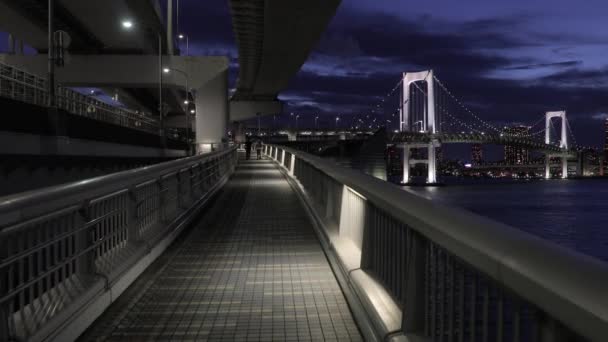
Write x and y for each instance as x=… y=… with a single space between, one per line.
x=337 y=119
x=316 y=118
x=182 y=37
x=297 y=117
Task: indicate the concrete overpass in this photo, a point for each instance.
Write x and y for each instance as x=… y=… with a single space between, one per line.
x=103 y=54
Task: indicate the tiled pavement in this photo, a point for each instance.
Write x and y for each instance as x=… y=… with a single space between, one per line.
x=251 y=269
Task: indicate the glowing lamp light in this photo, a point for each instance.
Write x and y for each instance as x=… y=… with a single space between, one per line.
x=166 y=70
x=127 y=24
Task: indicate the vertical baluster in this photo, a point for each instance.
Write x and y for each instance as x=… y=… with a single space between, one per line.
x=5 y=286
x=451 y=311
x=499 y=316
x=433 y=292
x=473 y=322
x=442 y=270
x=22 y=267
x=56 y=261
x=427 y=289
x=516 y=320
x=461 y=298
x=486 y=303
x=40 y=259
x=31 y=271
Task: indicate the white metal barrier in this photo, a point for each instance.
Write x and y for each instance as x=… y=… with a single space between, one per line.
x=453 y=275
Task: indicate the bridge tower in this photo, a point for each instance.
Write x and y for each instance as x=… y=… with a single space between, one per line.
x=429 y=123
x=563 y=144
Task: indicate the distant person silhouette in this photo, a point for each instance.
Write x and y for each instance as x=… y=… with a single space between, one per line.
x=247 y=149
x=258 y=149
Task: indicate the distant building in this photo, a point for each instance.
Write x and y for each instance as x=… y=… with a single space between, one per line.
x=477 y=154
x=515 y=155
x=606 y=140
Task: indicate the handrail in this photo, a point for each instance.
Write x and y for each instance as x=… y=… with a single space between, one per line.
x=24 y=86
x=59 y=245
x=54 y=196
x=566 y=286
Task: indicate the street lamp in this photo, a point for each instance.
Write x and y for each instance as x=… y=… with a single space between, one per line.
x=297 y=116
x=337 y=119
x=316 y=118
x=182 y=37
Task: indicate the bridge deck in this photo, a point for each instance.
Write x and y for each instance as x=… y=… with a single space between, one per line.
x=250 y=269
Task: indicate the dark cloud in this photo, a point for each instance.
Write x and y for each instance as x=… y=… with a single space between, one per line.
x=545 y=65
x=463 y=55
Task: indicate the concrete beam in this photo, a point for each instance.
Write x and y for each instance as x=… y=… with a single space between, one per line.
x=124 y=71
x=243 y=110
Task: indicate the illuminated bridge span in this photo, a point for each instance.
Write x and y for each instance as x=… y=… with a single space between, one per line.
x=430 y=115
x=478 y=138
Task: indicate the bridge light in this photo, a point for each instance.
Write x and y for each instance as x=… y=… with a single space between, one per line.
x=166 y=70
x=181 y=36
x=192 y=111
x=186 y=102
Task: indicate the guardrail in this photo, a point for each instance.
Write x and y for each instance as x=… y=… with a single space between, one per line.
x=64 y=247
x=26 y=87
x=455 y=276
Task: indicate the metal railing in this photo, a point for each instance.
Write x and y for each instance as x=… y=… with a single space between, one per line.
x=456 y=276
x=61 y=246
x=26 y=87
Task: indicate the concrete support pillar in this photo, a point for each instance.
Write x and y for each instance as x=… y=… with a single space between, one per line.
x=170 y=27
x=238 y=132
x=432 y=167
x=11 y=44
x=212 y=112
x=547 y=167
x=564 y=167
x=406 y=164
x=283 y=157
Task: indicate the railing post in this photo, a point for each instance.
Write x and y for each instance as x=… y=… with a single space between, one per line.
x=550 y=330
x=4 y=307
x=133 y=231
x=414 y=310
x=85 y=263
x=292 y=166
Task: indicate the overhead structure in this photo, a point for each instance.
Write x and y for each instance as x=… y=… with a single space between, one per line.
x=274 y=39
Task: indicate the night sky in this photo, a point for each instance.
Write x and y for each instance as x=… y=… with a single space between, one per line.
x=510 y=61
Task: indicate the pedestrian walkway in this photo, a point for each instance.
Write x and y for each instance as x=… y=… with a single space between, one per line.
x=250 y=269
